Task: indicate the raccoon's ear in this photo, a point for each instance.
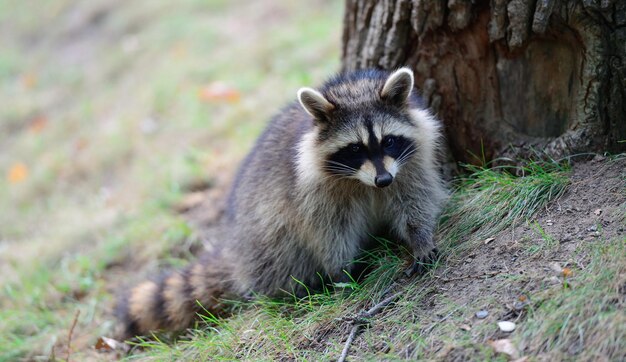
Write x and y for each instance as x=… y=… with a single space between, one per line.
x=398 y=86
x=315 y=104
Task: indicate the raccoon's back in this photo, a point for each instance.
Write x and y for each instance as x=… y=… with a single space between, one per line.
x=268 y=173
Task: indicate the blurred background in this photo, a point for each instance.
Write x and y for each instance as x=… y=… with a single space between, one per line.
x=110 y=113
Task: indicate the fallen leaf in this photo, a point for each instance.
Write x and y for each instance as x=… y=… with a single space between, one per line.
x=597 y=212
x=488 y=240
x=522 y=298
x=105 y=344
x=218 y=91
x=17 y=173
x=29 y=80
x=504 y=346
x=38 y=124
x=80 y=144
x=343 y=285
x=506 y=326
x=465 y=327
x=566 y=272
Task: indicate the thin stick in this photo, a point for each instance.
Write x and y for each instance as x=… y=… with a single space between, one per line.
x=358 y=322
x=69 y=337
x=346 y=347
x=377 y=308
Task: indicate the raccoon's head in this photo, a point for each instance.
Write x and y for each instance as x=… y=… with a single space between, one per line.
x=364 y=125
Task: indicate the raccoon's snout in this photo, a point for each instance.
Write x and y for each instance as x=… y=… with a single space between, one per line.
x=383 y=180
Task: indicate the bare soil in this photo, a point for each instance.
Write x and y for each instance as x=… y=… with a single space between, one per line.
x=590 y=204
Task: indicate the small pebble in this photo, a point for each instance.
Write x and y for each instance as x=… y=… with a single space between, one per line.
x=519 y=305
x=506 y=326
x=482 y=314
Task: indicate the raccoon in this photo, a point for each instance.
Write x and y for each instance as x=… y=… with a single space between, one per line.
x=356 y=157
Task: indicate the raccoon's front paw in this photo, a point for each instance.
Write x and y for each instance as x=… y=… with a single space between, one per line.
x=423 y=263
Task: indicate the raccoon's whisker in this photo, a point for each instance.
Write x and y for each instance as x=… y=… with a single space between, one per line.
x=338 y=169
x=405 y=156
x=404 y=159
x=342 y=169
x=341 y=165
x=406 y=150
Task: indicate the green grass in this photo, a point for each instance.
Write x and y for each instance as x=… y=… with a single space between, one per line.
x=492 y=199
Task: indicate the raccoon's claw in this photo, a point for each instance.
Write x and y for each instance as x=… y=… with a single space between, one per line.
x=422 y=264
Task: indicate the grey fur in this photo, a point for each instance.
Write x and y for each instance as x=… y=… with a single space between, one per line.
x=286 y=227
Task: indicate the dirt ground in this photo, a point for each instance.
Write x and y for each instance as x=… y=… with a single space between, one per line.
x=592 y=208
x=593 y=198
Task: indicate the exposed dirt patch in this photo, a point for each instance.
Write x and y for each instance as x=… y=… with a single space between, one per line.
x=589 y=211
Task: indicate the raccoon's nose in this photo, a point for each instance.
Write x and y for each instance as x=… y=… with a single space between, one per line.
x=383 y=180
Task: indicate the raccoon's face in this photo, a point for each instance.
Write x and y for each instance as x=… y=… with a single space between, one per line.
x=363 y=127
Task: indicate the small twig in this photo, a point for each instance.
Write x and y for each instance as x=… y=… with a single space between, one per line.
x=361 y=320
x=483 y=275
x=346 y=347
x=69 y=337
x=388 y=289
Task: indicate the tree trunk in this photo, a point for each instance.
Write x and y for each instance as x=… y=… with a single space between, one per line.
x=508 y=77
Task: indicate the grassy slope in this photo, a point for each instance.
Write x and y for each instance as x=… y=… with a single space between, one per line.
x=102 y=103
x=125 y=130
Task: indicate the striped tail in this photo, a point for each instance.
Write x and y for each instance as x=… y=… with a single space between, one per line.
x=171 y=302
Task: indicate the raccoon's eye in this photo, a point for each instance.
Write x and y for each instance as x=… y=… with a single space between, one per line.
x=355 y=148
x=389 y=141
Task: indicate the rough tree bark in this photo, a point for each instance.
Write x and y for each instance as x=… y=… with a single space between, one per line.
x=507 y=77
